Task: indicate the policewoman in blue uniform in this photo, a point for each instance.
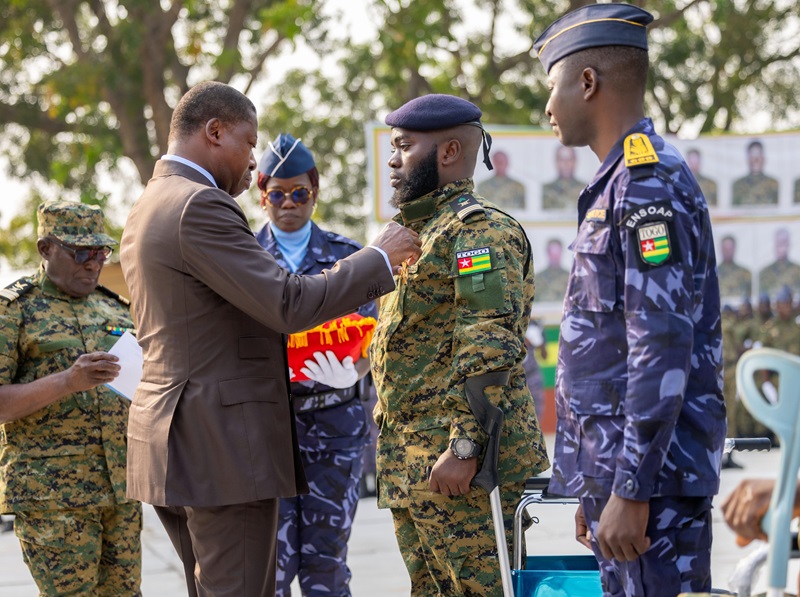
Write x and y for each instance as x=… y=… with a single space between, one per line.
x=641 y=416
x=332 y=426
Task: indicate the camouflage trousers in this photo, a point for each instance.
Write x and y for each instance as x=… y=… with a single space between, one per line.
x=85 y=551
x=313 y=529
x=448 y=543
x=679 y=558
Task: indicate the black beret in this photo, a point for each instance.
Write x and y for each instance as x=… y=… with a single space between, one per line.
x=593 y=26
x=433 y=112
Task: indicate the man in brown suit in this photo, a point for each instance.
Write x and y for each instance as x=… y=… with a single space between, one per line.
x=211 y=437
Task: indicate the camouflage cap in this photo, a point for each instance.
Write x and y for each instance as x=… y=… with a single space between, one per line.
x=74 y=223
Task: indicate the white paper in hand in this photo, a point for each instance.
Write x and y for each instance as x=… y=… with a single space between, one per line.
x=130 y=359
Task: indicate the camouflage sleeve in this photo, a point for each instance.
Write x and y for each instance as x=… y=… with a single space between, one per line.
x=658 y=252
x=489 y=303
x=10 y=322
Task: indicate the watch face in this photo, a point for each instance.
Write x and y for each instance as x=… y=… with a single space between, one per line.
x=463 y=447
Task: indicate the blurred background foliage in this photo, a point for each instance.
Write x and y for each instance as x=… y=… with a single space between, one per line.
x=87 y=87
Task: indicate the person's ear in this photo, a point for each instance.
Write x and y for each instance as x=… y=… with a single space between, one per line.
x=589 y=82
x=44 y=247
x=450 y=152
x=212 y=130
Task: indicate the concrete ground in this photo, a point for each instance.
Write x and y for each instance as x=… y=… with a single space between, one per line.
x=375 y=561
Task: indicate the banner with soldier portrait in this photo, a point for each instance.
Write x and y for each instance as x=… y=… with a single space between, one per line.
x=751 y=184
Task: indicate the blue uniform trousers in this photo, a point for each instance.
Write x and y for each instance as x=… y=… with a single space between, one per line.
x=679 y=558
x=313 y=529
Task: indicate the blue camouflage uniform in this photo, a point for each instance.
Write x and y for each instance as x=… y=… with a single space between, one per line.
x=332 y=430
x=639 y=378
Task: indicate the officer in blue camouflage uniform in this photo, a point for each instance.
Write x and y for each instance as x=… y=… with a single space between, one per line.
x=62 y=439
x=458 y=317
x=641 y=416
x=332 y=425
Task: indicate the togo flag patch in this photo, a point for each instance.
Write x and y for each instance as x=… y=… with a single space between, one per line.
x=654 y=243
x=474 y=261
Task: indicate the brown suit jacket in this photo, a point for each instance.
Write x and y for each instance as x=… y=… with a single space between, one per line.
x=211 y=423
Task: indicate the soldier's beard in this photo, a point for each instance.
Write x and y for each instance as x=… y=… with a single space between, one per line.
x=420 y=181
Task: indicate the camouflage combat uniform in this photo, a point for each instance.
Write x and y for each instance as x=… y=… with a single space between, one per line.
x=332 y=430
x=779 y=274
x=62 y=468
x=505 y=192
x=639 y=378
x=755 y=189
x=444 y=323
x=561 y=194
x=735 y=281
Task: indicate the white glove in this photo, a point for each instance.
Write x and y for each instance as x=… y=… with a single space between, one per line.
x=328 y=370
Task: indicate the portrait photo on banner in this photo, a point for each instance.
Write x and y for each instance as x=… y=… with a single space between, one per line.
x=751 y=184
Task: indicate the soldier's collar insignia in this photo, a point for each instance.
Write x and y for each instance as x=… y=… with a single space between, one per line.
x=658 y=210
x=474 y=261
x=597 y=215
x=419 y=209
x=654 y=246
x=639 y=150
x=466 y=205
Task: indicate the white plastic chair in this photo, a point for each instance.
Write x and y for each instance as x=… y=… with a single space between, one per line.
x=783 y=417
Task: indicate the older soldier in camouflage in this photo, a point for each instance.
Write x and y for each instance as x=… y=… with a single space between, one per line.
x=641 y=415
x=756 y=188
x=62 y=439
x=459 y=313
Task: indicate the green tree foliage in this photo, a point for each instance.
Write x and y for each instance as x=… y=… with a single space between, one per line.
x=84 y=83
x=88 y=84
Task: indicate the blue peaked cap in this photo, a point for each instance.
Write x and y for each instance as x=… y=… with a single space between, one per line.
x=593 y=26
x=437 y=111
x=286 y=157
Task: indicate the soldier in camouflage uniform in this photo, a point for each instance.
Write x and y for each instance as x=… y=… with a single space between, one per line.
x=735 y=281
x=562 y=193
x=707 y=185
x=506 y=192
x=332 y=427
x=781 y=272
x=62 y=442
x=756 y=188
x=458 y=314
x=641 y=415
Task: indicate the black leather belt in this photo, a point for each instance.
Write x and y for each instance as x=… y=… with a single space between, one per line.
x=323 y=399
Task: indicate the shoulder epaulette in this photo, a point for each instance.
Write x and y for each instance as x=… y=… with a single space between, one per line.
x=111 y=294
x=639 y=151
x=16 y=289
x=465 y=206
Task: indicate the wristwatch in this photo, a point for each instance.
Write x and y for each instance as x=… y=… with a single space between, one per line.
x=464 y=448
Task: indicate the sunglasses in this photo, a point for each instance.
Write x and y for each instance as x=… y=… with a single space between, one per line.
x=81 y=256
x=299 y=194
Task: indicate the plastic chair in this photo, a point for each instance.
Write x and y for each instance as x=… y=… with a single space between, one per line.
x=783 y=417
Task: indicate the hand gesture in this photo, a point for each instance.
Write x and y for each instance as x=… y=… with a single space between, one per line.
x=399 y=243
x=327 y=369
x=91 y=370
x=622 y=527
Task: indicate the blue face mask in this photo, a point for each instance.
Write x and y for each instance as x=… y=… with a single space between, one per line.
x=293 y=245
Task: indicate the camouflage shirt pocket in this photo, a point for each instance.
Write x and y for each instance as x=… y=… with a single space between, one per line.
x=592 y=284
x=598 y=406
x=485 y=293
